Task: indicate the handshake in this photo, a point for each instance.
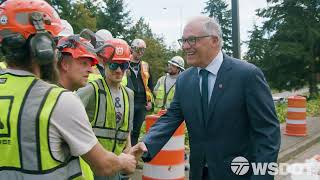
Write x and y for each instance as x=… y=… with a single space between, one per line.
x=130 y=159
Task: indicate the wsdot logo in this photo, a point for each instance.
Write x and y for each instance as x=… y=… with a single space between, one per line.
x=240 y=165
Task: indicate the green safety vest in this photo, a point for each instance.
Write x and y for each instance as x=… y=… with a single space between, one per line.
x=93 y=77
x=163 y=99
x=3 y=65
x=24 y=130
x=111 y=135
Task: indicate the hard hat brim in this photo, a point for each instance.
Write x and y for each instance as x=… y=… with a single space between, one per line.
x=175 y=64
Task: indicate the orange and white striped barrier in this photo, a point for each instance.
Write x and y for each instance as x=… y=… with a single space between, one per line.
x=168 y=164
x=296 y=124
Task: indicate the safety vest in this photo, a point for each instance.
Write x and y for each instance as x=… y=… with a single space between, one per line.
x=163 y=99
x=24 y=136
x=93 y=77
x=144 y=69
x=3 y=65
x=111 y=135
x=96 y=75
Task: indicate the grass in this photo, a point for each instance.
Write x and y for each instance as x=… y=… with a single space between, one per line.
x=313 y=109
x=281 y=109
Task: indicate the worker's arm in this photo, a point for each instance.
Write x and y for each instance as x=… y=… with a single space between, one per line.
x=70 y=125
x=104 y=163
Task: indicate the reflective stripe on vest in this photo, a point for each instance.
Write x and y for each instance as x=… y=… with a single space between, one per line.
x=144 y=69
x=25 y=114
x=163 y=99
x=111 y=135
x=145 y=77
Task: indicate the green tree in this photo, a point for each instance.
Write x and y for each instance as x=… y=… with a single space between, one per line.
x=76 y=13
x=114 y=17
x=291 y=57
x=256 y=46
x=221 y=11
x=140 y=29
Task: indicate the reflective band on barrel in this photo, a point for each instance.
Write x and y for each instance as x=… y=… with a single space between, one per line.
x=289 y=121
x=175 y=143
x=163 y=172
x=290 y=109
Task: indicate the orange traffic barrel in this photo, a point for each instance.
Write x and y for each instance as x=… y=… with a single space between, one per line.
x=296 y=124
x=168 y=164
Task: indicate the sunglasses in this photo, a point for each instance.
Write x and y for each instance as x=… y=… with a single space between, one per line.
x=115 y=66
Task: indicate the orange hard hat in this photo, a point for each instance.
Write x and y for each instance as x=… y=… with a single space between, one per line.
x=121 y=51
x=77 y=49
x=15 y=17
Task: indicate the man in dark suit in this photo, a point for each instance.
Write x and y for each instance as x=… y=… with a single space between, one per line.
x=226 y=104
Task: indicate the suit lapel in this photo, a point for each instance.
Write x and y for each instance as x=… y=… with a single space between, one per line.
x=220 y=85
x=196 y=96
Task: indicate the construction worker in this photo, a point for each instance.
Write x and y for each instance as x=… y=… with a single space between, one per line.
x=138 y=78
x=109 y=105
x=43 y=128
x=165 y=87
x=75 y=62
x=102 y=36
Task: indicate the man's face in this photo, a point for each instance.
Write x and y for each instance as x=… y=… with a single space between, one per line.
x=79 y=70
x=137 y=53
x=173 y=70
x=115 y=71
x=199 y=47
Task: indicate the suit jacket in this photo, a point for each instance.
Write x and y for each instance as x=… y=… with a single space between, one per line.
x=242 y=121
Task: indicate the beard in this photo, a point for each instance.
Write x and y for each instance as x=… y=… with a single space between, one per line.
x=49 y=73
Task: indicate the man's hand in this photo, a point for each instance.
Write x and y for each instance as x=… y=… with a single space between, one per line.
x=148 y=106
x=128 y=163
x=138 y=150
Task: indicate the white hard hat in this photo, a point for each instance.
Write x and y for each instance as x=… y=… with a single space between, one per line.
x=177 y=61
x=103 y=35
x=138 y=43
x=67 y=28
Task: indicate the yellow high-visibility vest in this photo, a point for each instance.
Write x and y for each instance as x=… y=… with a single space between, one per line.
x=163 y=99
x=111 y=135
x=24 y=135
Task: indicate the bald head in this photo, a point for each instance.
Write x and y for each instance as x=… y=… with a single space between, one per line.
x=207 y=25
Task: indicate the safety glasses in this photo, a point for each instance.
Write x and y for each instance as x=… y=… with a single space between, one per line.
x=115 y=66
x=192 y=40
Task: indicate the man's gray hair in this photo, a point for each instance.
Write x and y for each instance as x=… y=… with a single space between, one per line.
x=212 y=27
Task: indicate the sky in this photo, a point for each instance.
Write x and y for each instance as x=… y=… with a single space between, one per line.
x=167 y=17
